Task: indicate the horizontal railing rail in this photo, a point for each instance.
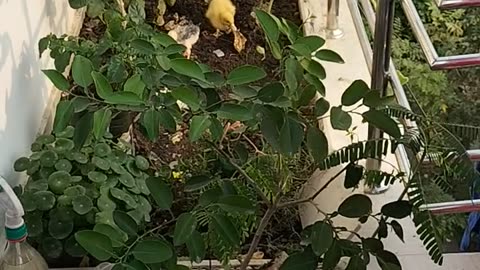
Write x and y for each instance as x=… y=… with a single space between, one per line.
x=454 y=4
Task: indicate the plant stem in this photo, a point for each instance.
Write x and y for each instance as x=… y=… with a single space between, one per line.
x=315 y=195
x=270 y=6
x=242 y=172
x=258 y=235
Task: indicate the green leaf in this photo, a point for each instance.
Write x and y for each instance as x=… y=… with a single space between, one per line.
x=103 y=87
x=234 y=112
x=161 y=192
x=271 y=92
x=332 y=256
x=124 y=98
x=197 y=182
x=186 y=224
x=382 y=228
x=356 y=263
x=166 y=120
x=321 y=237
x=354 y=93
x=57 y=79
x=311 y=43
x=387 y=260
x=82 y=130
x=152 y=251
x=317 y=144
x=292 y=68
x=95 y=9
x=151 y=123
x=21 y=164
x=43 y=45
x=314 y=68
x=315 y=82
x=321 y=107
x=245 y=74
x=397 y=228
x=236 y=204
x=62 y=60
x=125 y=222
x=196 y=247
x=81 y=71
x=188 y=68
x=101 y=122
x=355 y=206
x=353 y=175
x=96 y=244
x=136 y=11
x=397 y=209
x=82 y=204
x=76 y=4
x=372 y=245
x=188 y=96
x=198 y=126
x=308 y=93
x=45 y=200
x=268 y=24
x=304 y=260
x=63 y=115
x=60 y=229
x=225 y=229
x=383 y=122
x=291 y=136
x=329 y=55
x=339 y=119
x=135 y=85
x=143 y=46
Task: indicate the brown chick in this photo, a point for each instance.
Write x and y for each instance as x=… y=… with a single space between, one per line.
x=221 y=14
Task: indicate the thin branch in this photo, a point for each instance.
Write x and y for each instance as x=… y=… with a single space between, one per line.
x=242 y=172
x=312 y=198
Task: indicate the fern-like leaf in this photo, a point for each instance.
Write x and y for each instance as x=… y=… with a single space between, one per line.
x=375 y=178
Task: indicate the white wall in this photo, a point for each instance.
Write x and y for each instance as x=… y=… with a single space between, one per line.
x=26 y=97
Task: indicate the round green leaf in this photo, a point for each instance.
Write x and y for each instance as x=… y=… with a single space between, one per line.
x=142 y=163
x=236 y=204
x=62 y=213
x=355 y=206
x=75 y=191
x=28 y=202
x=59 y=181
x=186 y=224
x=102 y=150
x=125 y=222
x=34 y=186
x=317 y=144
x=48 y=158
x=245 y=74
x=142 y=185
x=63 y=165
x=321 y=107
x=101 y=163
x=118 y=238
x=33 y=168
x=63 y=145
x=104 y=203
x=82 y=204
x=161 y=192
x=66 y=133
x=127 y=180
x=21 y=164
x=132 y=168
x=339 y=119
x=73 y=248
x=321 y=237
x=354 y=93
x=45 y=200
x=196 y=247
x=118 y=168
x=60 y=229
x=80 y=158
x=45 y=139
x=97 y=177
x=397 y=209
x=123 y=196
x=152 y=251
x=34 y=225
x=97 y=244
x=52 y=247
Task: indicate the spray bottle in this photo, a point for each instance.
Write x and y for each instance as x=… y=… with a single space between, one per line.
x=19 y=255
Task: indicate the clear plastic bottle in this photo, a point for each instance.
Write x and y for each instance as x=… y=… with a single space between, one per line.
x=19 y=255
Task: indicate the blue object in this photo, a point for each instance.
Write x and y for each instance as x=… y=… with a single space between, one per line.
x=473 y=223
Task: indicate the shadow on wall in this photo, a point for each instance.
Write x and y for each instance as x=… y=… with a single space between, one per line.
x=24 y=91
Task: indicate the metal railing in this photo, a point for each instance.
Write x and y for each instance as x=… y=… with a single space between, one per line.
x=333 y=30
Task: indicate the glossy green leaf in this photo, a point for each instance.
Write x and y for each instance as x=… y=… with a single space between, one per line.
x=124 y=196
x=197 y=182
x=234 y=112
x=103 y=87
x=339 y=119
x=143 y=46
x=152 y=251
x=315 y=82
x=161 y=192
x=101 y=122
x=81 y=71
x=135 y=84
x=45 y=200
x=387 y=260
x=245 y=74
x=186 y=224
x=271 y=92
x=236 y=204
x=312 y=43
x=196 y=247
x=63 y=115
x=43 y=45
x=57 y=79
x=188 y=68
x=321 y=237
x=317 y=143
x=398 y=209
x=329 y=55
x=383 y=122
x=124 y=98
x=151 y=123
x=314 y=68
x=321 y=107
x=60 y=229
x=304 y=260
x=292 y=68
x=225 y=229
x=82 y=204
x=355 y=206
x=125 y=222
x=291 y=136
x=188 y=96
x=96 y=244
x=268 y=24
x=199 y=124
x=354 y=93
x=332 y=256
x=397 y=228
x=76 y=4
x=21 y=164
x=306 y=96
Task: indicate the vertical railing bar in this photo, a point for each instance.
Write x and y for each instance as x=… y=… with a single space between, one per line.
x=333 y=29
